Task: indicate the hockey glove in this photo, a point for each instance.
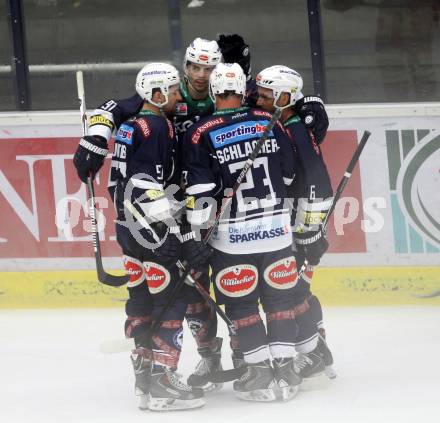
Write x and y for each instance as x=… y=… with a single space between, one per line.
x=235 y=50
x=312 y=112
x=195 y=252
x=312 y=245
x=89 y=156
x=169 y=251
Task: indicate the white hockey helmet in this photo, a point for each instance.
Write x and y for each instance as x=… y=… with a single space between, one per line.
x=203 y=52
x=281 y=79
x=156 y=75
x=227 y=77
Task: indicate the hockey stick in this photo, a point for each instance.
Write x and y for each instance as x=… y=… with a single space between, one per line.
x=120 y=345
x=232 y=374
x=103 y=276
x=189 y=279
x=249 y=162
x=340 y=189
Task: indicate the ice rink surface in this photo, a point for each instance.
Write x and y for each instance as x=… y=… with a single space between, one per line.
x=51 y=370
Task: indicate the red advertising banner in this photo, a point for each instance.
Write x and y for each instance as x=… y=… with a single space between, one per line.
x=42 y=201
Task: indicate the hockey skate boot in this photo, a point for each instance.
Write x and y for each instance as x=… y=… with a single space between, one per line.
x=287 y=379
x=311 y=368
x=168 y=393
x=326 y=355
x=140 y=358
x=257 y=383
x=209 y=363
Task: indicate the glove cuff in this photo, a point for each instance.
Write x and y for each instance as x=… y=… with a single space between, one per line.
x=313 y=99
x=94 y=148
x=307 y=239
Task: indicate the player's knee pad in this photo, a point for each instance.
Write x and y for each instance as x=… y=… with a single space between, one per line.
x=135 y=271
x=140 y=302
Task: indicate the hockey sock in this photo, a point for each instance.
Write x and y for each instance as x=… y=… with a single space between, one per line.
x=281 y=332
x=202 y=322
x=307 y=337
x=251 y=333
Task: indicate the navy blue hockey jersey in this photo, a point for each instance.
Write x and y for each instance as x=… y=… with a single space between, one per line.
x=144 y=155
x=312 y=190
x=214 y=152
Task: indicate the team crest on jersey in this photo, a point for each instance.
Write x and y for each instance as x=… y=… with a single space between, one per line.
x=178 y=339
x=181 y=109
x=237 y=281
x=282 y=274
x=158 y=278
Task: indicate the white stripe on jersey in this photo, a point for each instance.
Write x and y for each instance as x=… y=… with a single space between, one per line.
x=200 y=188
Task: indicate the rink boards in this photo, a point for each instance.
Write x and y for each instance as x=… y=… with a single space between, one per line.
x=385 y=234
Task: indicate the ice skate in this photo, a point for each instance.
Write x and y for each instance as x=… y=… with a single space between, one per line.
x=209 y=363
x=142 y=371
x=168 y=393
x=257 y=384
x=311 y=368
x=326 y=355
x=287 y=379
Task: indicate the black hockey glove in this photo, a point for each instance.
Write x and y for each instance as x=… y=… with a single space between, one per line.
x=312 y=112
x=89 y=156
x=195 y=252
x=169 y=251
x=235 y=50
x=312 y=245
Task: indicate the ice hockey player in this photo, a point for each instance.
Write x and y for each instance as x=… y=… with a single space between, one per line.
x=310 y=109
x=252 y=258
x=142 y=165
x=312 y=193
x=200 y=58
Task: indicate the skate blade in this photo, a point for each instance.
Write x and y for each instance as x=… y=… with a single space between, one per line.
x=288 y=392
x=330 y=372
x=315 y=382
x=171 y=404
x=261 y=395
x=143 y=402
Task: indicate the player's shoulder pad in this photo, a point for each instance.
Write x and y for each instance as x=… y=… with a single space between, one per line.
x=197 y=130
